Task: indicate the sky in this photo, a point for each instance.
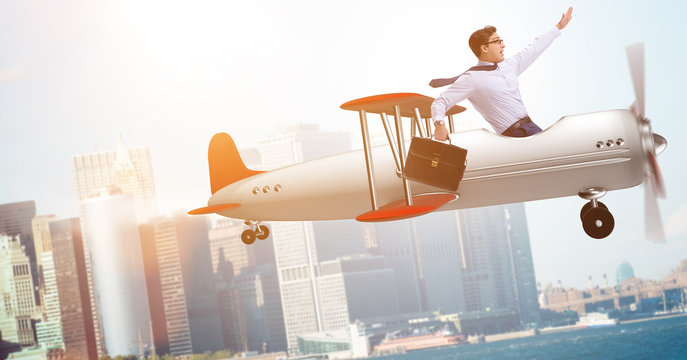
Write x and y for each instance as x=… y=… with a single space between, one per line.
x=169 y=74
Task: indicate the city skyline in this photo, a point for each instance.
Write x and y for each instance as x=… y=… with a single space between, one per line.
x=171 y=89
x=578 y=282
x=479 y=226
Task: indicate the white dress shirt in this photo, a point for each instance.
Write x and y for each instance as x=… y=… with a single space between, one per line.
x=495 y=94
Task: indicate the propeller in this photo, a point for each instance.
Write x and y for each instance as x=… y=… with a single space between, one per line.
x=653 y=144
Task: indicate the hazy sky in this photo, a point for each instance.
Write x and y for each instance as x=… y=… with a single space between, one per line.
x=168 y=75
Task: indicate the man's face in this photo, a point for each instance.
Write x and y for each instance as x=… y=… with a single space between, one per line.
x=494 y=49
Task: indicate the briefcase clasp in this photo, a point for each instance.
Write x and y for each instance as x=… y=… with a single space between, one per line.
x=435 y=160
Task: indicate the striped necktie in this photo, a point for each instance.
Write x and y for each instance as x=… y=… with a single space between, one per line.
x=435 y=83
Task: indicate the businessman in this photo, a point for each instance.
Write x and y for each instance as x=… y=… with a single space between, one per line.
x=492 y=85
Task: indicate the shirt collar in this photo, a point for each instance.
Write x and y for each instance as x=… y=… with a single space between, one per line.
x=484 y=63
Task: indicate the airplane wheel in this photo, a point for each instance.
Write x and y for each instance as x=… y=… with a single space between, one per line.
x=598 y=222
x=262 y=232
x=248 y=237
x=588 y=206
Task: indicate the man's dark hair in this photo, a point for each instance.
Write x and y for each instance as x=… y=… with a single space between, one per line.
x=479 y=38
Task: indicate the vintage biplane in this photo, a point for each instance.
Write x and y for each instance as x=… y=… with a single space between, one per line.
x=585 y=155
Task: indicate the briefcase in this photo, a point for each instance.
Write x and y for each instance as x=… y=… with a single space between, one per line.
x=435 y=163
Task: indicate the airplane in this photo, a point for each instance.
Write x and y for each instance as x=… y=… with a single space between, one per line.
x=585 y=155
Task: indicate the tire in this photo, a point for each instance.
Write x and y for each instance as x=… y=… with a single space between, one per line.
x=598 y=222
x=248 y=237
x=262 y=232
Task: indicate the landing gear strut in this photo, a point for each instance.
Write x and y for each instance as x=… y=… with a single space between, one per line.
x=597 y=220
x=260 y=232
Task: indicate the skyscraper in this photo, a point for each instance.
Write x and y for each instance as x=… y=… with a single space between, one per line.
x=41 y=238
x=462 y=261
x=15 y=219
x=113 y=248
x=295 y=243
x=439 y=261
x=67 y=290
x=396 y=242
x=363 y=282
x=257 y=309
x=49 y=330
x=498 y=272
x=129 y=169
x=186 y=283
x=522 y=263
x=487 y=281
x=248 y=290
x=17 y=299
x=225 y=242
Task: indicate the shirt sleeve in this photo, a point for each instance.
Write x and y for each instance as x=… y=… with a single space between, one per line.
x=526 y=57
x=458 y=91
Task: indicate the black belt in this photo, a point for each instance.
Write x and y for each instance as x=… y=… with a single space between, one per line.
x=517 y=125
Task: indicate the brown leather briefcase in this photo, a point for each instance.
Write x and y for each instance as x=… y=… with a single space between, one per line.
x=435 y=163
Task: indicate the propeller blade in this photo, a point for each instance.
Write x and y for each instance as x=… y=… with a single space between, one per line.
x=635 y=55
x=653 y=225
x=659 y=186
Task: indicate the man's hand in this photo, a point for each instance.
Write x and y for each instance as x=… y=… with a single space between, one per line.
x=565 y=19
x=441 y=133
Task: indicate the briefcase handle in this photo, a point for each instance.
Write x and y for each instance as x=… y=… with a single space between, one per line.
x=441 y=141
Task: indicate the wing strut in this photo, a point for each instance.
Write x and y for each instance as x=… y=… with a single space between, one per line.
x=402 y=152
x=416 y=107
x=392 y=142
x=368 y=159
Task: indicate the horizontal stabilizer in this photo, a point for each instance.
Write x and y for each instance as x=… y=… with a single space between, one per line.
x=212 y=209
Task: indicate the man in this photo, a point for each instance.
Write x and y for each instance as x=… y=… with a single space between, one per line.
x=492 y=86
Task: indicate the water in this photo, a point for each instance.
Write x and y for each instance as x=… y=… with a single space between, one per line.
x=655 y=339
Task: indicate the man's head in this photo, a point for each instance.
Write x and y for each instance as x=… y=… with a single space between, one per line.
x=487 y=45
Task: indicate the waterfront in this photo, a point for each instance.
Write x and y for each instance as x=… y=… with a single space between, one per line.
x=655 y=339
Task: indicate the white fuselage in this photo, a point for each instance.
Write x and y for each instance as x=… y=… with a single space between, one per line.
x=560 y=161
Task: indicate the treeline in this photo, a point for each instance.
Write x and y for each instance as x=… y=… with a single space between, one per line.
x=219 y=355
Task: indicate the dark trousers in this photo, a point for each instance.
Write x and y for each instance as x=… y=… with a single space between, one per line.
x=527 y=129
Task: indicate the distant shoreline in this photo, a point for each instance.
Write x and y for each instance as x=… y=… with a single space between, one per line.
x=667 y=316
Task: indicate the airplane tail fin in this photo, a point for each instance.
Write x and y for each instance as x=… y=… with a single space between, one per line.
x=225 y=163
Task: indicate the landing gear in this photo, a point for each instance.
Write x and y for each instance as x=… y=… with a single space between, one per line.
x=597 y=220
x=248 y=236
x=588 y=206
x=260 y=232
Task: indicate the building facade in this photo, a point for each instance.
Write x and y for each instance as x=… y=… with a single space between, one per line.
x=295 y=243
x=113 y=250
x=179 y=247
x=73 y=304
x=362 y=285
x=49 y=330
x=130 y=169
x=258 y=311
x=41 y=238
x=15 y=219
x=17 y=297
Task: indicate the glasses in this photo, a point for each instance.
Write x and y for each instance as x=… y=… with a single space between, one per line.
x=497 y=41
